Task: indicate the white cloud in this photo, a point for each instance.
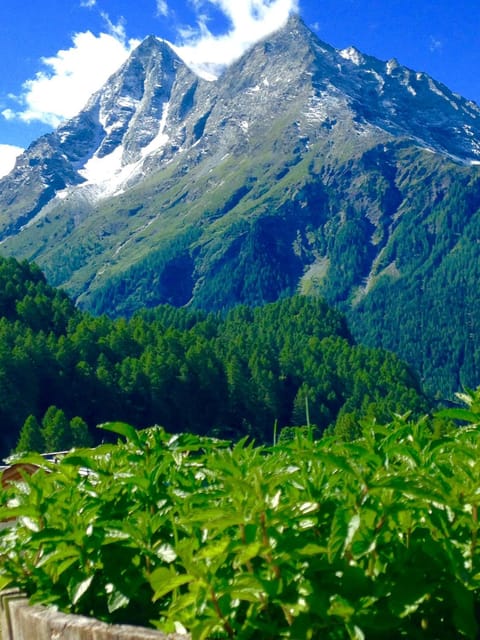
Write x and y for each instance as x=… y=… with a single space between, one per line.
x=162 y=8
x=116 y=30
x=8 y=155
x=71 y=76
x=250 y=21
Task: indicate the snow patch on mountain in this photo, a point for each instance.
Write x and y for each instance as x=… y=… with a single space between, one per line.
x=161 y=138
x=352 y=54
x=391 y=66
x=123 y=105
x=98 y=170
x=107 y=175
x=380 y=79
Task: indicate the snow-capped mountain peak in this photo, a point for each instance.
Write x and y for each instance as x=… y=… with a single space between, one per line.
x=155 y=111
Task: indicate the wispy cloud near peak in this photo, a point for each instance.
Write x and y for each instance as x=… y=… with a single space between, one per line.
x=249 y=20
x=8 y=155
x=71 y=76
x=62 y=88
x=162 y=8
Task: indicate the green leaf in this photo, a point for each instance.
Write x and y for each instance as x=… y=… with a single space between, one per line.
x=338 y=463
x=10 y=513
x=80 y=460
x=340 y=607
x=116 y=599
x=352 y=529
x=214 y=550
x=312 y=550
x=414 y=487
x=166 y=553
x=59 y=555
x=247 y=587
x=49 y=535
x=338 y=532
x=355 y=632
x=248 y=552
x=30 y=523
x=163 y=581
x=459 y=414
x=115 y=535
x=305 y=508
x=5 y=581
x=58 y=569
x=122 y=429
x=80 y=589
x=31 y=458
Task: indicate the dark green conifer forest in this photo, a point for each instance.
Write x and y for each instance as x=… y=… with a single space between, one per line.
x=247 y=373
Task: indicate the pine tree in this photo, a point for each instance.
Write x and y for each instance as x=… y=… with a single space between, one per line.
x=80 y=436
x=56 y=430
x=30 y=438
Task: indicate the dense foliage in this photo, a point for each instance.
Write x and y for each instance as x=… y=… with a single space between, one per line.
x=427 y=286
x=375 y=538
x=287 y=363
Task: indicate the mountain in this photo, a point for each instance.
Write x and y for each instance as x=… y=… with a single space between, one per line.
x=301 y=168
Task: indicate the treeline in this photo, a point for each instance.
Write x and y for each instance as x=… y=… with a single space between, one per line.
x=284 y=364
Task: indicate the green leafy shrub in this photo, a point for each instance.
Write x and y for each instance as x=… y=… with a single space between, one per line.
x=375 y=538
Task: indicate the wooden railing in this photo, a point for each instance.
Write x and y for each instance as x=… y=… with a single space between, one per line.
x=21 y=621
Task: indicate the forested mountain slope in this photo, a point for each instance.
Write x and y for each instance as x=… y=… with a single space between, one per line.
x=288 y=363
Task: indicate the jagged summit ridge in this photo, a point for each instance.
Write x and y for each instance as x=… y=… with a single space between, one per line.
x=154 y=105
x=387 y=95
x=290 y=93
x=127 y=116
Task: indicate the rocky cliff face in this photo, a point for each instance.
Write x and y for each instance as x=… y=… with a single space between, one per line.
x=301 y=168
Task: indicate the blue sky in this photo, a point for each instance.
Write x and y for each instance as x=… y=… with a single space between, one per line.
x=55 y=53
